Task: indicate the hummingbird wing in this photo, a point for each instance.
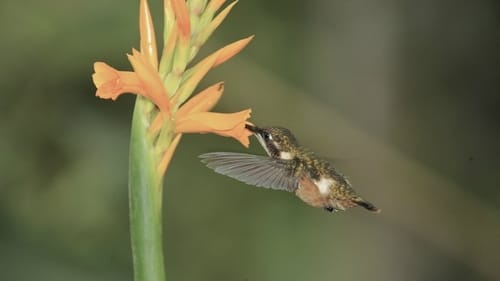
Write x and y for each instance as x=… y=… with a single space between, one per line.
x=261 y=171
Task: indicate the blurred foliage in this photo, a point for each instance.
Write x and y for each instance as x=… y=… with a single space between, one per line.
x=406 y=90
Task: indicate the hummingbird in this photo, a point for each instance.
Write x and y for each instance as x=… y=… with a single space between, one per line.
x=290 y=167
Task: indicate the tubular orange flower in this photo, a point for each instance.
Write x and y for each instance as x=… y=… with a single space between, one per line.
x=111 y=83
x=145 y=81
x=224 y=124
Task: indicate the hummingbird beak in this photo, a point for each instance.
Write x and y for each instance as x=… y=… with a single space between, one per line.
x=255 y=130
x=258 y=134
x=252 y=128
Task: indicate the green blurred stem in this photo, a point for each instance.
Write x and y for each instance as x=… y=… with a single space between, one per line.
x=145 y=199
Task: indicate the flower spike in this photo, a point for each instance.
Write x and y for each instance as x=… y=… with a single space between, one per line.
x=167 y=109
x=169 y=84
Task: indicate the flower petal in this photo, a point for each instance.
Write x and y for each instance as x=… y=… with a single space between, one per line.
x=224 y=124
x=204 y=101
x=155 y=125
x=231 y=50
x=111 y=83
x=151 y=80
x=162 y=167
x=147 y=32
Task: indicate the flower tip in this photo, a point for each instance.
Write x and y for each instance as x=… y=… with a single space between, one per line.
x=247 y=40
x=147 y=34
x=182 y=17
x=98 y=65
x=232 y=49
x=220 y=87
x=101 y=68
x=216 y=4
x=244 y=138
x=246 y=134
x=102 y=73
x=132 y=56
x=245 y=142
x=135 y=52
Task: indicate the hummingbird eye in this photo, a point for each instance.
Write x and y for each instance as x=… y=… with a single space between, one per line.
x=267 y=136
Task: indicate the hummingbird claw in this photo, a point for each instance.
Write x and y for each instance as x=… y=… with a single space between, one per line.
x=330 y=209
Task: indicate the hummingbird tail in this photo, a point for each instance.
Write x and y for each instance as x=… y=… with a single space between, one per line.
x=367 y=205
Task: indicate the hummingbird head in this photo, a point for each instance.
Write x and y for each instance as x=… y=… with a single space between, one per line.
x=278 y=142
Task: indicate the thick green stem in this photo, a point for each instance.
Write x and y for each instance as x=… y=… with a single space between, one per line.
x=145 y=199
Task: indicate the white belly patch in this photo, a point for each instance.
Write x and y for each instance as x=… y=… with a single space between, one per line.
x=286 y=155
x=323 y=185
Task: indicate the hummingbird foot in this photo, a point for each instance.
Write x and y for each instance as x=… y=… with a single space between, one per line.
x=330 y=209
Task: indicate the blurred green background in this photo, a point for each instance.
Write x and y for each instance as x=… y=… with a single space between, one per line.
x=404 y=93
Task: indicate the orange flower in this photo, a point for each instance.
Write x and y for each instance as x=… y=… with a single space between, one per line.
x=228 y=125
x=111 y=83
x=145 y=81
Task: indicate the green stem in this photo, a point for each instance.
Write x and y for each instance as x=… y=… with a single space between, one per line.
x=145 y=199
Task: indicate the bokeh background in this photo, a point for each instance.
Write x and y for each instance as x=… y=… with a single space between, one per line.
x=403 y=95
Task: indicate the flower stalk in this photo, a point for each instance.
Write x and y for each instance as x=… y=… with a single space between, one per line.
x=165 y=109
x=145 y=201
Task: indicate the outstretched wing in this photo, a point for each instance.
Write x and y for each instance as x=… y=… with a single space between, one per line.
x=261 y=171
